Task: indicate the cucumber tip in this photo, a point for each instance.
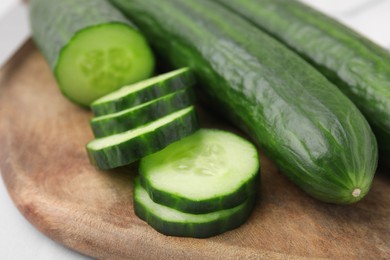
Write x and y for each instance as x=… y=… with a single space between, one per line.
x=356 y=192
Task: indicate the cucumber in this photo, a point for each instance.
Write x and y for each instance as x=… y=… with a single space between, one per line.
x=172 y=222
x=127 y=147
x=208 y=171
x=91 y=48
x=144 y=91
x=139 y=115
x=360 y=68
x=310 y=129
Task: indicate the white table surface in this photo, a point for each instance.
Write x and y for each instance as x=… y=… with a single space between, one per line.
x=14 y=27
x=20 y=240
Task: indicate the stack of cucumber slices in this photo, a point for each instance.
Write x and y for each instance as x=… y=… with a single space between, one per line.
x=141 y=119
x=200 y=186
x=193 y=183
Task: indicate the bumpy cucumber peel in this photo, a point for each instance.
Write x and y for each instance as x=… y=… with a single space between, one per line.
x=359 y=67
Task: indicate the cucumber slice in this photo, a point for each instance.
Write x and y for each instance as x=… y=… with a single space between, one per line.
x=136 y=116
x=141 y=92
x=171 y=222
x=207 y=171
x=124 y=148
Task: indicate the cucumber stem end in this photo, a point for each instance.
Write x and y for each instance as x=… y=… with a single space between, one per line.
x=356 y=192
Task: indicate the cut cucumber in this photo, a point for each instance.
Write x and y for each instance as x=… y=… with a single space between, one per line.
x=90 y=46
x=175 y=223
x=144 y=91
x=124 y=148
x=134 y=117
x=101 y=59
x=207 y=171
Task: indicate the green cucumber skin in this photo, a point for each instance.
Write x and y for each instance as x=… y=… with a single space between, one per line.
x=195 y=230
x=247 y=190
x=359 y=67
x=134 y=149
x=315 y=135
x=162 y=88
x=54 y=22
x=124 y=122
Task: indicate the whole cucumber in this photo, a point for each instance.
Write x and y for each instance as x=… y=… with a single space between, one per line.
x=312 y=131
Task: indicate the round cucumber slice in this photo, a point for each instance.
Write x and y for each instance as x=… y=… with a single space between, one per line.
x=142 y=114
x=100 y=59
x=144 y=91
x=208 y=171
x=175 y=223
x=127 y=147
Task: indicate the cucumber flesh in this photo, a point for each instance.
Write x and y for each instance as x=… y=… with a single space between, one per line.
x=207 y=171
x=132 y=95
x=100 y=59
x=175 y=223
x=142 y=114
x=124 y=148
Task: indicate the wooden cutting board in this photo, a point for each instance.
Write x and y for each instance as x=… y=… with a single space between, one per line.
x=47 y=173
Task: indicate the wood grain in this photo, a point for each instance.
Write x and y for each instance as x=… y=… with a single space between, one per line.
x=47 y=173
